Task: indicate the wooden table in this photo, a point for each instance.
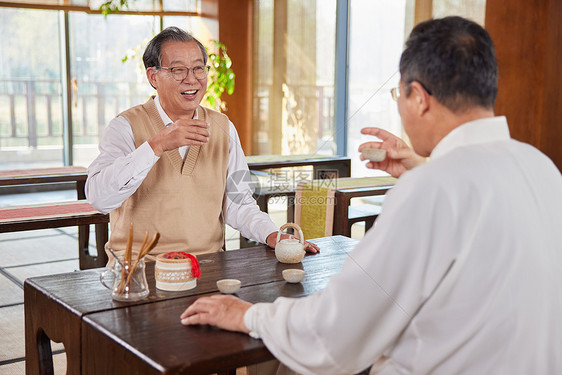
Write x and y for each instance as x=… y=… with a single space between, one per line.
x=322 y=165
x=102 y=336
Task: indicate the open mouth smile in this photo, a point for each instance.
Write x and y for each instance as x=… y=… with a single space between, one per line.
x=189 y=92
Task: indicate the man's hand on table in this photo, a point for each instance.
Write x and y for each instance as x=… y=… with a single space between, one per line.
x=223 y=311
x=272 y=241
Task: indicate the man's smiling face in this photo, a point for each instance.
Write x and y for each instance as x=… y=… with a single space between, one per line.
x=179 y=98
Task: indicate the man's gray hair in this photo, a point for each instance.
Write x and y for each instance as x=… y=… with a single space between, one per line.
x=152 y=55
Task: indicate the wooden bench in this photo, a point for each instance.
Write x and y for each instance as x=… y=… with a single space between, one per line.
x=43 y=176
x=54 y=215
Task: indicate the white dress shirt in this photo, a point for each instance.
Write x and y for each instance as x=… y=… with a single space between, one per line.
x=121 y=168
x=461 y=274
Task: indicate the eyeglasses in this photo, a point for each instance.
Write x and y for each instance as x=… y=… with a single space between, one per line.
x=179 y=73
x=395 y=91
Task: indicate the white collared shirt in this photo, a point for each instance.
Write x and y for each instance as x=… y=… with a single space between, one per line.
x=120 y=169
x=461 y=273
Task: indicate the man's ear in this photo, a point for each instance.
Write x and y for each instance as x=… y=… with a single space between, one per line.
x=151 y=76
x=421 y=98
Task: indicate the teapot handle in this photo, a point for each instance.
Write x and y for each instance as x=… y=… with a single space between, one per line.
x=294 y=226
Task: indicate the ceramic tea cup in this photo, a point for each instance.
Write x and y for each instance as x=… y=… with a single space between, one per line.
x=293 y=275
x=228 y=286
x=374 y=154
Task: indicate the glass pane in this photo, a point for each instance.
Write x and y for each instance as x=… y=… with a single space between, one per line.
x=375 y=44
x=181 y=5
x=294 y=71
x=138 y=5
x=263 y=76
x=103 y=85
x=204 y=29
x=30 y=89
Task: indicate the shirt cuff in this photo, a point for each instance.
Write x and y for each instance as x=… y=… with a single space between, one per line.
x=146 y=154
x=267 y=230
x=250 y=320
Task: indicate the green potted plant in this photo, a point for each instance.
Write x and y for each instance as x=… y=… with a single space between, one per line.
x=221 y=77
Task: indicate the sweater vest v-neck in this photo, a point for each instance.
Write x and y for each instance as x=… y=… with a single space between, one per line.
x=181 y=199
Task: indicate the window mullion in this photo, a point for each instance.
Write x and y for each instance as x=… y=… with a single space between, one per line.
x=66 y=89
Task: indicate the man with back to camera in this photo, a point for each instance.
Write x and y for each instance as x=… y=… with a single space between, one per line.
x=165 y=166
x=461 y=273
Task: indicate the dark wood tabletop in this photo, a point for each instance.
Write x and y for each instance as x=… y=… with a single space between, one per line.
x=321 y=164
x=105 y=336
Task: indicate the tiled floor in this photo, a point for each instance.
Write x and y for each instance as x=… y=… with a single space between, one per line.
x=52 y=251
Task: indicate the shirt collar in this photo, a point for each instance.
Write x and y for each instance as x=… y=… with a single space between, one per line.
x=165 y=118
x=485 y=130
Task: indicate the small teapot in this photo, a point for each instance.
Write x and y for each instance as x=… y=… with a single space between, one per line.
x=290 y=250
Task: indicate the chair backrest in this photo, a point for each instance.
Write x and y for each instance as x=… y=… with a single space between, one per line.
x=314 y=209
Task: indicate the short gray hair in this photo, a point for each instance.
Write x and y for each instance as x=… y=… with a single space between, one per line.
x=454 y=60
x=152 y=55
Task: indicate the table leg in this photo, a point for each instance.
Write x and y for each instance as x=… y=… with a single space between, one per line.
x=45 y=320
x=291 y=208
x=369 y=224
x=341 y=216
x=38 y=355
x=102 y=236
x=85 y=259
x=262 y=201
x=80 y=189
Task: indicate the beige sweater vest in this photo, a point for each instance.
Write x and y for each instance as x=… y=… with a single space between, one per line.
x=182 y=200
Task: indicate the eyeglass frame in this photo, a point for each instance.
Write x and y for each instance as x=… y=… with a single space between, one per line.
x=395 y=91
x=205 y=69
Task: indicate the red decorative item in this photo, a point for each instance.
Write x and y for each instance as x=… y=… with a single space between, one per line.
x=195 y=269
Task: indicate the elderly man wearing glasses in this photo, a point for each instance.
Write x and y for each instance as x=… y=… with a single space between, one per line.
x=462 y=272
x=172 y=166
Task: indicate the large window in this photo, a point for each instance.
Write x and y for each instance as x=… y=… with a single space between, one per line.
x=31 y=131
x=294 y=77
x=376 y=39
x=102 y=85
x=377 y=31
x=37 y=127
